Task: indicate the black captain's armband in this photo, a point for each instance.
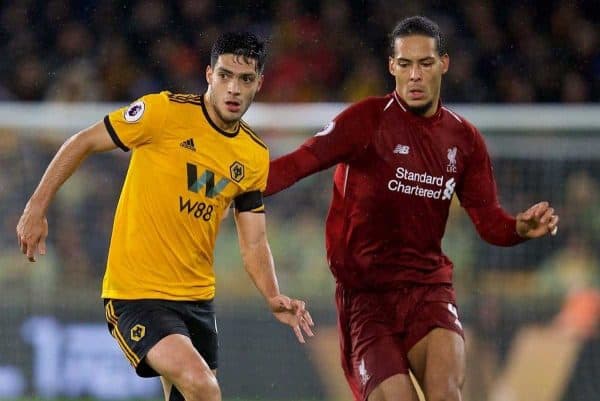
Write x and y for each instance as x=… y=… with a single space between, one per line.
x=249 y=202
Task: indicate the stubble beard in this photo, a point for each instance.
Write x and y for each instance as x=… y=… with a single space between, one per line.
x=421 y=110
x=225 y=119
x=228 y=118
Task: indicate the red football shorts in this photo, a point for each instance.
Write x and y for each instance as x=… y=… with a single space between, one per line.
x=377 y=329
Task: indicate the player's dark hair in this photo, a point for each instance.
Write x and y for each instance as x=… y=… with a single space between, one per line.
x=419 y=25
x=243 y=44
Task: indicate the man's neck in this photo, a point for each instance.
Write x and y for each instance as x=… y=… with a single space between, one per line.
x=216 y=119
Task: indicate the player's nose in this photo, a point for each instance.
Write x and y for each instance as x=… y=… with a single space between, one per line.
x=233 y=87
x=415 y=73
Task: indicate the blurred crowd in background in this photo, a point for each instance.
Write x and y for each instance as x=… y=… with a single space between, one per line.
x=319 y=51
x=329 y=50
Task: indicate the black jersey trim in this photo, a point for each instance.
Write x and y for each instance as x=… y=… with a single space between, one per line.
x=113 y=134
x=212 y=124
x=248 y=201
x=252 y=134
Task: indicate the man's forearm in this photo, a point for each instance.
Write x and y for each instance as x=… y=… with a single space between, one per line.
x=65 y=162
x=286 y=170
x=495 y=226
x=258 y=262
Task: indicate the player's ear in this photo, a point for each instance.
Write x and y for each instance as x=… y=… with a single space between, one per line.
x=445 y=60
x=261 y=78
x=209 y=73
x=391 y=65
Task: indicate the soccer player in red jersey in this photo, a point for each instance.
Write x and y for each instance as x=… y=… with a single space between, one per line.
x=400 y=159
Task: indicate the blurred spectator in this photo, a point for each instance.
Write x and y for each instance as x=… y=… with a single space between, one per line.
x=75 y=82
x=303 y=64
x=364 y=80
x=29 y=79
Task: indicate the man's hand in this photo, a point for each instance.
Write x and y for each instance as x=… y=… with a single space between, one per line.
x=537 y=221
x=293 y=313
x=32 y=231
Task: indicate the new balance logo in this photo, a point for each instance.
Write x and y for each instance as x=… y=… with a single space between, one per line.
x=401 y=149
x=188 y=144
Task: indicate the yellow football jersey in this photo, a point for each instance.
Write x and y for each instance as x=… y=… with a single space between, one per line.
x=183 y=173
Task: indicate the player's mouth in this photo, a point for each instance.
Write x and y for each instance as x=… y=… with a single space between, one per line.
x=416 y=94
x=233 y=106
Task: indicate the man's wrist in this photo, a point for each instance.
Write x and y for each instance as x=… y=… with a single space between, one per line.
x=522 y=230
x=35 y=207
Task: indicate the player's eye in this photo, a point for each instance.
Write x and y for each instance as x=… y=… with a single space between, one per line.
x=248 y=79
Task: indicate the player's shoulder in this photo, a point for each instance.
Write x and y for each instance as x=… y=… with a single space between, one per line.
x=464 y=129
x=179 y=106
x=246 y=130
x=182 y=98
x=459 y=121
x=371 y=104
x=159 y=100
x=365 y=110
x=151 y=103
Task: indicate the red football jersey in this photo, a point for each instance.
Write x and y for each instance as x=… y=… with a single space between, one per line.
x=396 y=175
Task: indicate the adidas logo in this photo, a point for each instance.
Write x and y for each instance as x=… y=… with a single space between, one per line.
x=188 y=144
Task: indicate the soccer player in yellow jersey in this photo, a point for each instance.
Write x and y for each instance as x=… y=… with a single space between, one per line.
x=192 y=156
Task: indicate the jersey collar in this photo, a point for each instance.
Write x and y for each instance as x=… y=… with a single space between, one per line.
x=212 y=124
x=404 y=107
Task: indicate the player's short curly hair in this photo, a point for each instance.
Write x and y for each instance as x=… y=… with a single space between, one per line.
x=418 y=25
x=244 y=44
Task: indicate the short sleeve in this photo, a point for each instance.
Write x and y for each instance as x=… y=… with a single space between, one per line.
x=251 y=199
x=478 y=186
x=261 y=182
x=139 y=123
